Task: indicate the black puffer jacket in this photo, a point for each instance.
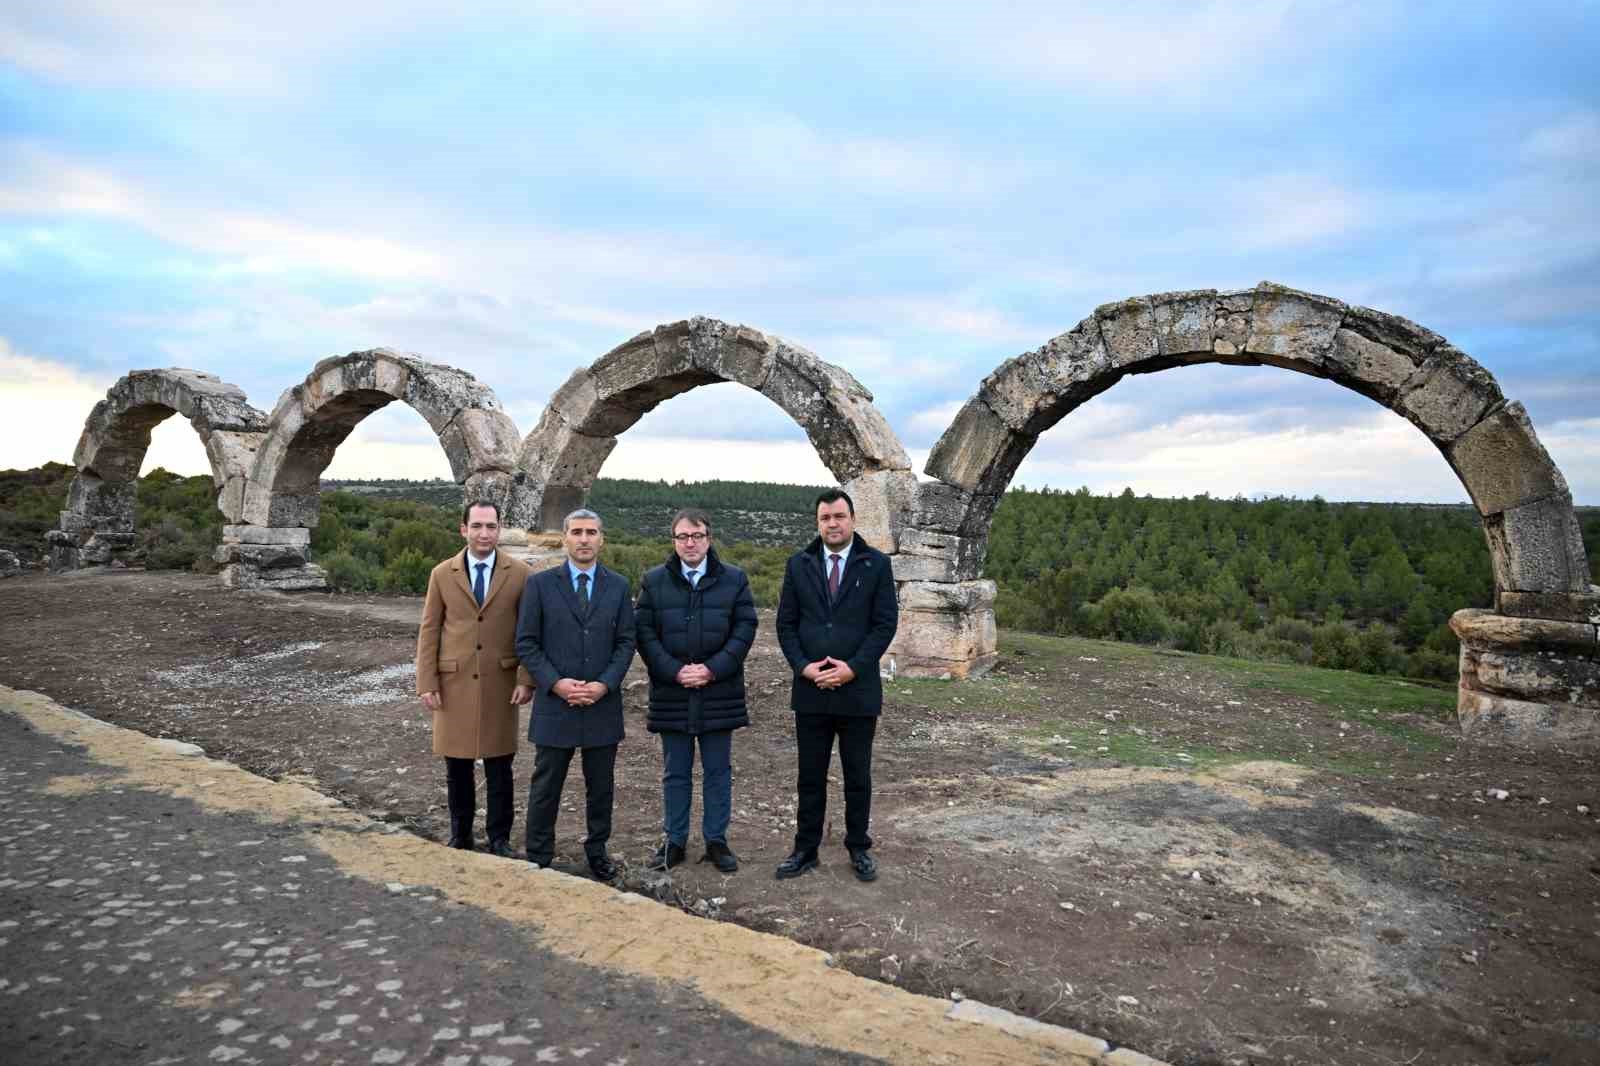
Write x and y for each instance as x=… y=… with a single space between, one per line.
x=713 y=623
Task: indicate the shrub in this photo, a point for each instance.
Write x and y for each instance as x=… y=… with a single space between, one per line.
x=406 y=572
x=347 y=573
x=1134 y=615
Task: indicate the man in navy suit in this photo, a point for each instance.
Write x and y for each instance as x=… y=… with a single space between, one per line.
x=837 y=613
x=575 y=635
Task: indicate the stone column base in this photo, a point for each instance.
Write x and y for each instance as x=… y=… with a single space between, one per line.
x=269 y=557
x=946 y=629
x=1534 y=681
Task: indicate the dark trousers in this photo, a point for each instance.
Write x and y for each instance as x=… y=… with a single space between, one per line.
x=814 y=735
x=461 y=787
x=544 y=798
x=677 y=784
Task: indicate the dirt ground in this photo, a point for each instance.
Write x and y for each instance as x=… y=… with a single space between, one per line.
x=1371 y=901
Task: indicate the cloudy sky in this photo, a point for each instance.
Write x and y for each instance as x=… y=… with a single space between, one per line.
x=915 y=192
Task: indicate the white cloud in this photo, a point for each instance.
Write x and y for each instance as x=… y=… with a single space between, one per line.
x=43 y=405
x=1572 y=139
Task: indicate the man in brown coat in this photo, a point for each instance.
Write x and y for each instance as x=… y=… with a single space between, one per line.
x=469 y=676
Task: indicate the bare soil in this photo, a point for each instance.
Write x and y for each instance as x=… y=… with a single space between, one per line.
x=1241 y=868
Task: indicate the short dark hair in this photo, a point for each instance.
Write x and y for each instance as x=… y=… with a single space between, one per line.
x=692 y=515
x=834 y=496
x=466 y=512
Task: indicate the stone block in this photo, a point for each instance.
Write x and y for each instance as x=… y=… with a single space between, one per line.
x=628 y=366
x=261 y=556
x=257 y=504
x=1293 y=329
x=493 y=485
x=232 y=453
x=731 y=353
x=558 y=502
x=1085 y=1049
x=1502 y=463
x=390 y=375
x=1398 y=334
x=1448 y=395
x=289 y=536
x=946 y=597
x=294 y=509
x=941 y=641
x=1184 y=321
x=524 y=508
x=883 y=501
x=930 y=556
x=440 y=393
x=1034 y=391
x=850 y=434
x=326 y=384
x=480 y=440
x=979 y=452
x=1563 y=606
x=578 y=402
x=1484 y=630
x=1128 y=331
x=1368 y=367
x=942 y=508
x=1231 y=326
x=108 y=504
x=1541 y=675
x=227 y=413
x=1538 y=547
x=1485 y=716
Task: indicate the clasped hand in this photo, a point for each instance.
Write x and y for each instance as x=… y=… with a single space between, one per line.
x=579 y=693
x=828 y=673
x=695 y=675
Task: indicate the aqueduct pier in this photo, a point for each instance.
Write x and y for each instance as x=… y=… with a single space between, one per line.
x=1530 y=667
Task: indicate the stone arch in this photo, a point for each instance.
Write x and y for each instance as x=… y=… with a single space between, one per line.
x=1540 y=567
x=267 y=542
x=97 y=526
x=579 y=428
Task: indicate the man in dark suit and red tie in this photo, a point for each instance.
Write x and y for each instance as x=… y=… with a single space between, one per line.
x=575 y=636
x=837 y=614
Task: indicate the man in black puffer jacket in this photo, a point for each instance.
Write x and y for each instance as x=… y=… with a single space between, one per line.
x=695 y=621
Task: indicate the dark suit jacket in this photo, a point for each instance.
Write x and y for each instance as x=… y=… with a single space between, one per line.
x=856 y=628
x=555 y=639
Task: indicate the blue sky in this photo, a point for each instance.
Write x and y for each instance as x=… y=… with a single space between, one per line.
x=916 y=192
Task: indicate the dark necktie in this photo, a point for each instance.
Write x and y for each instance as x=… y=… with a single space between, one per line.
x=477 y=584
x=833 y=579
x=583 y=592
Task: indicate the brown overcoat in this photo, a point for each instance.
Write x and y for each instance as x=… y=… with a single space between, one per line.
x=468 y=655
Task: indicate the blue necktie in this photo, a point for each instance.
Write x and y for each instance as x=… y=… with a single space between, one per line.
x=477 y=584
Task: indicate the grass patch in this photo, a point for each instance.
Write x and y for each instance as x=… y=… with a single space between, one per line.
x=1129 y=748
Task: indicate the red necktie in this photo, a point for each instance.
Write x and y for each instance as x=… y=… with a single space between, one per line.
x=833 y=579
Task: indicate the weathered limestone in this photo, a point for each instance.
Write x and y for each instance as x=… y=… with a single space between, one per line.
x=946 y=628
x=97 y=527
x=1530 y=680
x=268 y=542
x=1528 y=671
x=1534 y=539
x=564 y=453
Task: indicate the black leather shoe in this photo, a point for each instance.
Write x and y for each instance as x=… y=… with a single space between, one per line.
x=864 y=865
x=461 y=843
x=603 y=868
x=720 y=856
x=797 y=864
x=500 y=848
x=667 y=856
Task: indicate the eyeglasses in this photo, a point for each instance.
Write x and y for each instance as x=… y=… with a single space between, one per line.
x=690 y=538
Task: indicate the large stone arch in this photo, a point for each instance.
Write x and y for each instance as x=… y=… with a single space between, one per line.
x=97 y=526
x=579 y=428
x=1540 y=568
x=268 y=539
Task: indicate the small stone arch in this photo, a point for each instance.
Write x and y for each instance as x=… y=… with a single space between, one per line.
x=268 y=540
x=1540 y=567
x=579 y=428
x=97 y=526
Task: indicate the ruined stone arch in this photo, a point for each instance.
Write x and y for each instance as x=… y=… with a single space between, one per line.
x=268 y=538
x=579 y=428
x=97 y=526
x=1540 y=568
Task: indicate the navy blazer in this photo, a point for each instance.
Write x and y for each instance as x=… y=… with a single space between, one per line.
x=556 y=639
x=857 y=628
